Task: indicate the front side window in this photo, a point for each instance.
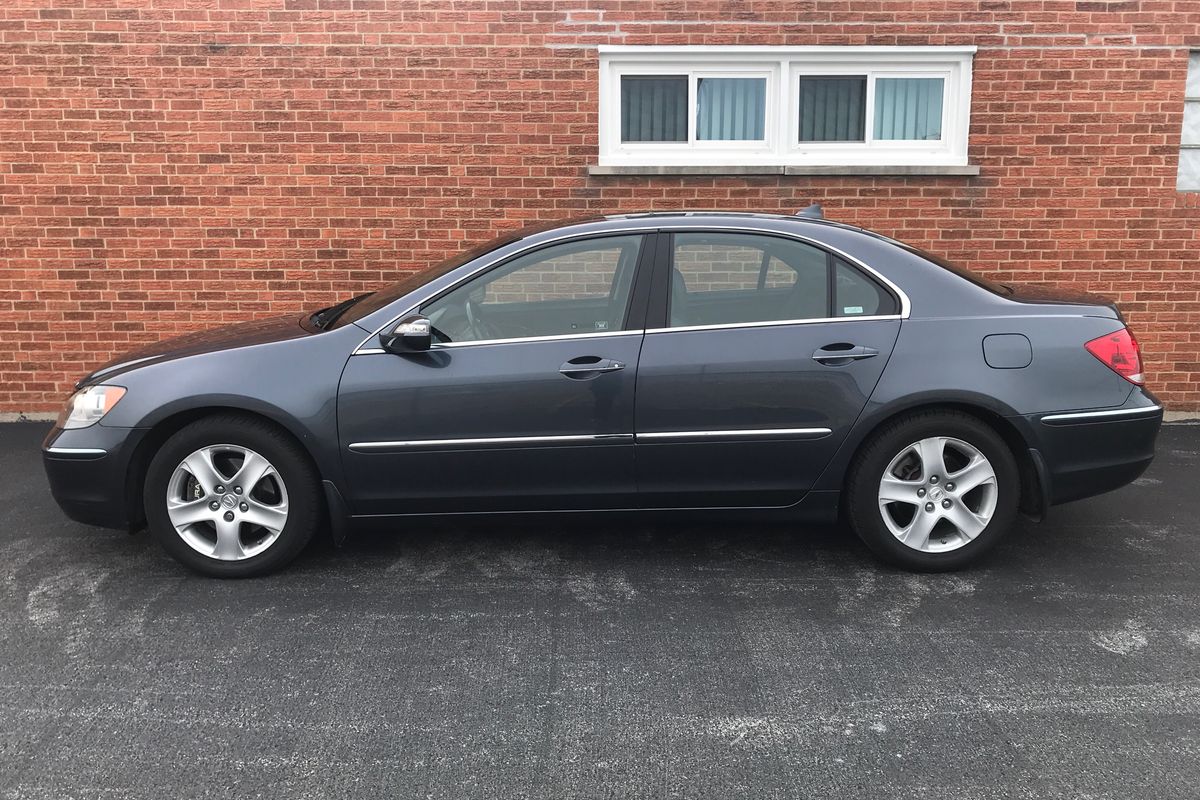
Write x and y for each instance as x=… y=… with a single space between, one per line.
x=783 y=106
x=563 y=289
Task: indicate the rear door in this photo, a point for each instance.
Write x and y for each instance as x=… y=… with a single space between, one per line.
x=765 y=351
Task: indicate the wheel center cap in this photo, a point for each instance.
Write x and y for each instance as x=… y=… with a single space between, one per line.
x=935 y=493
x=229 y=501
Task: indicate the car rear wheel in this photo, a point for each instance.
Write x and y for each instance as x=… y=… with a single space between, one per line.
x=232 y=497
x=933 y=491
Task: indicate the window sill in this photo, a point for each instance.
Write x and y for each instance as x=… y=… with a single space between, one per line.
x=769 y=169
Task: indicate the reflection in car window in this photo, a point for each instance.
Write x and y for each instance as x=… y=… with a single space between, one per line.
x=726 y=278
x=389 y=294
x=567 y=288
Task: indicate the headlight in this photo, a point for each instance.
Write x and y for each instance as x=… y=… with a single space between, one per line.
x=88 y=406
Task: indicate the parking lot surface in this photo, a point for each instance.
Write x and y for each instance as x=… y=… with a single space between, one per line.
x=607 y=658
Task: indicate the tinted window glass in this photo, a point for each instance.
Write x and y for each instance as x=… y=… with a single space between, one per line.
x=856 y=295
x=575 y=287
x=725 y=278
x=654 y=108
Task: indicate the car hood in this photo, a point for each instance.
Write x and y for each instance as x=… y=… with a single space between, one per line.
x=227 y=337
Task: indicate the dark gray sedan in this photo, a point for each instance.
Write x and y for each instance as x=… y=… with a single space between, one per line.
x=656 y=361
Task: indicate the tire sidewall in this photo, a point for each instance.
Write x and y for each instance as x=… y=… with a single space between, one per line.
x=863 y=500
x=297 y=476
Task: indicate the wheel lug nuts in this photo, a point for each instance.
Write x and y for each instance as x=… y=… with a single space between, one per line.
x=949 y=487
x=237 y=490
x=214 y=505
x=244 y=507
x=219 y=489
x=929 y=506
x=229 y=516
x=921 y=492
x=946 y=503
x=933 y=479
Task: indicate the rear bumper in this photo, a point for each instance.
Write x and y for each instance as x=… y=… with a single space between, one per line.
x=87 y=469
x=1089 y=452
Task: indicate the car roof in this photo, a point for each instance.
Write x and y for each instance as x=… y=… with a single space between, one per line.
x=652 y=218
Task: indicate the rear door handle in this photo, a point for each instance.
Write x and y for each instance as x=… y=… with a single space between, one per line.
x=587 y=367
x=833 y=355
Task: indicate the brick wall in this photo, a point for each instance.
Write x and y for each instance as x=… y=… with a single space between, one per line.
x=174 y=165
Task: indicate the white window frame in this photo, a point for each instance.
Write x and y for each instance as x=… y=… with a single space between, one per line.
x=782 y=67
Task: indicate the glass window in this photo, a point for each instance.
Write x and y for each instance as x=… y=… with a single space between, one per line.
x=574 y=287
x=731 y=108
x=908 y=108
x=833 y=108
x=856 y=295
x=774 y=107
x=1189 y=143
x=726 y=278
x=654 y=108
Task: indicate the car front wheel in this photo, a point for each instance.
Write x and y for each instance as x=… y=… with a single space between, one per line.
x=933 y=491
x=232 y=497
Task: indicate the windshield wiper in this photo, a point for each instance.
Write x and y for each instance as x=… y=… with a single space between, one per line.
x=327 y=316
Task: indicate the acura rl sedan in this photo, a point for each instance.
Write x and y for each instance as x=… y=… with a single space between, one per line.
x=667 y=361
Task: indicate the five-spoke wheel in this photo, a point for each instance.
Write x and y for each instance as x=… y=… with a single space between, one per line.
x=232 y=496
x=227 y=501
x=933 y=490
x=938 y=494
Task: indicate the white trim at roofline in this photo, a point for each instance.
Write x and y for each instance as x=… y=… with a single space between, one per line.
x=782 y=50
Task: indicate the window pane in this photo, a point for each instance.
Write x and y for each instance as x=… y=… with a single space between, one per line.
x=731 y=108
x=1191 y=123
x=908 y=108
x=1189 y=170
x=856 y=295
x=1192 y=88
x=833 y=109
x=725 y=278
x=654 y=108
x=577 y=287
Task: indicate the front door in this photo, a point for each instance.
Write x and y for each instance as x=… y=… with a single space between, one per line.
x=525 y=402
x=768 y=351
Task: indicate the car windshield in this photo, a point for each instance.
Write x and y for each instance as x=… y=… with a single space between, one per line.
x=367 y=304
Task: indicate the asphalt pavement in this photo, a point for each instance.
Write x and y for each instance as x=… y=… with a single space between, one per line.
x=607 y=658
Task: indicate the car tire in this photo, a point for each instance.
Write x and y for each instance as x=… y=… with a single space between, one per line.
x=917 y=517
x=251 y=530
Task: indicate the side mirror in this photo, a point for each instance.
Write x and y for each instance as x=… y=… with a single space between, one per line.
x=409 y=335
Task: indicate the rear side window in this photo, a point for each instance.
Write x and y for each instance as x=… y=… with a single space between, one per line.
x=731 y=278
x=856 y=295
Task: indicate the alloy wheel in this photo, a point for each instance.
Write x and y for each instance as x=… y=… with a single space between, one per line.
x=938 y=494
x=227 y=502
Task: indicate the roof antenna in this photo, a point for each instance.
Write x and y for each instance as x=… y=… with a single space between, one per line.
x=814 y=211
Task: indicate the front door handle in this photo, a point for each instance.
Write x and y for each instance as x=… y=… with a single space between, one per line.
x=836 y=355
x=587 y=367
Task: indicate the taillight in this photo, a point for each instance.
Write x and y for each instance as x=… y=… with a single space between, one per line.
x=1119 y=352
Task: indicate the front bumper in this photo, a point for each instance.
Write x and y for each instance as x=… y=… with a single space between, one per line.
x=1091 y=451
x=88 y=470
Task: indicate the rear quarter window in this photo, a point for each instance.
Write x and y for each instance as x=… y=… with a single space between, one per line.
x=856 y=295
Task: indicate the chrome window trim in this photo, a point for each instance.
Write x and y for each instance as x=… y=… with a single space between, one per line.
x=360 y=447
x=769 y=323
x=76 y=451
x=800 y=433
x=905 y=303
x=551 y=338
x=1116 y=412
